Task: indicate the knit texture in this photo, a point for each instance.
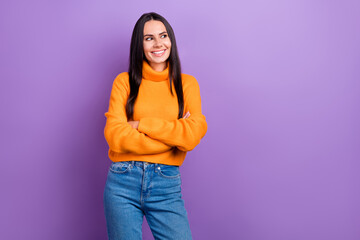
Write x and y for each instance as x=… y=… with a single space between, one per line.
x=161 y=137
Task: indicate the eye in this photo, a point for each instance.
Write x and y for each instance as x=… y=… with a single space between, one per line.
x=148 y=38
x=164 y=36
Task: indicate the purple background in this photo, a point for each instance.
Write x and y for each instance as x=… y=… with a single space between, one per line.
x=280 y=89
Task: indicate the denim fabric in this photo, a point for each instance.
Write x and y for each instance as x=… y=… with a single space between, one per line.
x=134 y=189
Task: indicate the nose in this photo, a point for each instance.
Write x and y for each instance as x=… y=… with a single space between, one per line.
x=157 y=43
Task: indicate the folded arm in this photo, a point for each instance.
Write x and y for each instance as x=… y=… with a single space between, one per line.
x=119 y=134
x=185 y=134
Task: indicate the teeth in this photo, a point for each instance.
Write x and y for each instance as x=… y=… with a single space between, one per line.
x=159 y=52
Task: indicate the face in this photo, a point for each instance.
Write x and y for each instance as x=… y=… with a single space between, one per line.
x=157 y=44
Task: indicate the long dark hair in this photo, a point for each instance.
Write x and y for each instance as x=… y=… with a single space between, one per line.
x=136 y=63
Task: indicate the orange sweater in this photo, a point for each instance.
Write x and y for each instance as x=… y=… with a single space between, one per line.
x=160 y=137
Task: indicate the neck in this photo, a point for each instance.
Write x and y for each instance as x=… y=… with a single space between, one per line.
x=158 y=67
x=149 y=73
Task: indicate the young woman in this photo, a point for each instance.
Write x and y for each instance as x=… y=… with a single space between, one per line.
x=154 y=118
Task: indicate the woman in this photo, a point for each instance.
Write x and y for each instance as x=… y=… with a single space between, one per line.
x=154 y=118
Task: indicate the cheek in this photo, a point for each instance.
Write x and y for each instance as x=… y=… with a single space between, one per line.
x=169 y=48
x=168 y=44
x=146 y=47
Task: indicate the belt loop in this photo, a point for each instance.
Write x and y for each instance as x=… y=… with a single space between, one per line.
x=132 y=163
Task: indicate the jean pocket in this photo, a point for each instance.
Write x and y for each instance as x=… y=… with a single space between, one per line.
x=119 y=167
x=168 y=171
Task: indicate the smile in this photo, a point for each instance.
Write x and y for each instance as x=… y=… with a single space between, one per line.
x=159 y=53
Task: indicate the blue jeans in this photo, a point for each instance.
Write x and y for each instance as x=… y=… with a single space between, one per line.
x=134 y=189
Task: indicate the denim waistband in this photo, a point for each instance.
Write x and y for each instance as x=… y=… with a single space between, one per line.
x=144 y=164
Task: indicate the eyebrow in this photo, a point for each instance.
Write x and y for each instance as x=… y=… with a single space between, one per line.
x=153 y=35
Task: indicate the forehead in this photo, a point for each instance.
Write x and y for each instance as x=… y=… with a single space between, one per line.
x=154 y=27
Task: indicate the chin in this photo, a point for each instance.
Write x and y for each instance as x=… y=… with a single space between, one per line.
x=158 y=61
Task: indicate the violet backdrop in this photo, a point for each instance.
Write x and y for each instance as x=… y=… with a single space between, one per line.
x=280 y=89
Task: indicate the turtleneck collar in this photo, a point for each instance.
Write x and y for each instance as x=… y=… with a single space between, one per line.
x=150 y=74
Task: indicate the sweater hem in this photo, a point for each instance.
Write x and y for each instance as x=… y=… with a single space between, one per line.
x=175 y=157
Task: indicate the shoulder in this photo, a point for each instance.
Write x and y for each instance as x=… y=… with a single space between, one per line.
x=188 y=80
x=122 y=77
x=122 y=80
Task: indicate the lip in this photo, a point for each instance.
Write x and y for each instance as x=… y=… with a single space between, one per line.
x=158 y=50
x=159 y=54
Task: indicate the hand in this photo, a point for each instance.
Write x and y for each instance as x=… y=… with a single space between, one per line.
x=186 y=115
x=134 y=124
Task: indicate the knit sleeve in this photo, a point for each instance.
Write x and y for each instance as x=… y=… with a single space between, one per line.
x=119 y=134
x=185 y=134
